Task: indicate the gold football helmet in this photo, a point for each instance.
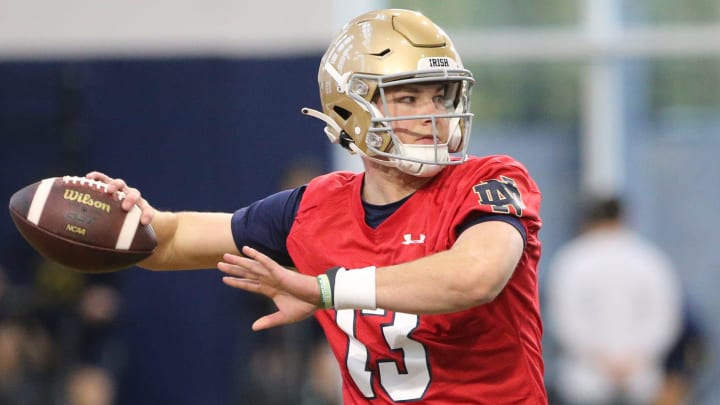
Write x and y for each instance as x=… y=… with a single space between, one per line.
x=387 y=48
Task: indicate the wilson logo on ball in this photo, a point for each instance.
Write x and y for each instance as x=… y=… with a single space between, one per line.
x=83 y=198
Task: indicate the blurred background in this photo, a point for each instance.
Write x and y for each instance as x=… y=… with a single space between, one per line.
x=198 y=105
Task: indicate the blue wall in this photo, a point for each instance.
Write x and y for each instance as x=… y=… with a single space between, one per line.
x=192 y=134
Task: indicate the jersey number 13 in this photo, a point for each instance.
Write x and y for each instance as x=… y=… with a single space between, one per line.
x=406 y=385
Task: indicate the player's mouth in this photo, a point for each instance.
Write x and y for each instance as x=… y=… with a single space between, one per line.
x=425 y=140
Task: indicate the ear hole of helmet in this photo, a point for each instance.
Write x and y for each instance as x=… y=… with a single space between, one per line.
x=343 y=113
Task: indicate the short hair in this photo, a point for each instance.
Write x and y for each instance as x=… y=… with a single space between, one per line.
x=603 y=209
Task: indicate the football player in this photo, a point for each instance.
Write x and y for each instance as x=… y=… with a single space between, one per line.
x=421 y=270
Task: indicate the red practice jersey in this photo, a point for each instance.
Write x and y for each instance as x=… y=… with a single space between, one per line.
x=490 y=354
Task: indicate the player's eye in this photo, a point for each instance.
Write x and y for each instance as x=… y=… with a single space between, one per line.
x=405 y=99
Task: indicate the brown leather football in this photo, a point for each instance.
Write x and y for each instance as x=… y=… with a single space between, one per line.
x=76 y=223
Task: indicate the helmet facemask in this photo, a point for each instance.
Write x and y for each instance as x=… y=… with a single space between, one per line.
x=450 y=124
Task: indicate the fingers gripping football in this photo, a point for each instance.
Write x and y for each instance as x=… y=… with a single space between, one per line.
x=132 y=196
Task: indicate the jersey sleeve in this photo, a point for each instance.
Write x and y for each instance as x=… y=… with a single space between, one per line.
x=500 y=188
x=479 y=218
x=265 y=224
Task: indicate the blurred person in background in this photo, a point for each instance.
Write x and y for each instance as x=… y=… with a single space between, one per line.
x=80 y=312
x=614 y=305
x=17 y=383
x=28 y=352
x=62 y=319
x=93 y=336
x=27 y=363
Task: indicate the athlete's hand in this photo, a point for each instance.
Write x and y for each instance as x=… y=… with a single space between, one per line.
x=296 y=295
x=132 y=195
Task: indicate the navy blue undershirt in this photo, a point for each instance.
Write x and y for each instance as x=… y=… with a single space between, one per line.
x=265 y=224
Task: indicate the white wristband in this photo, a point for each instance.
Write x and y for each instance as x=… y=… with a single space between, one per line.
x=355 y=289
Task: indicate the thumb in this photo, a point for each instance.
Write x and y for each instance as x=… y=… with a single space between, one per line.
x=269 y=321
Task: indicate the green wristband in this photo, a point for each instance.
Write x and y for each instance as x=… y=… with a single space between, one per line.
x=325 y=291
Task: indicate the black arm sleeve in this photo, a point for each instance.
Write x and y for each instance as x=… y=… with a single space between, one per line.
x=510 y=219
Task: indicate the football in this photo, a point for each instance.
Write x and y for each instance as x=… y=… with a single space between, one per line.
x=73 y=221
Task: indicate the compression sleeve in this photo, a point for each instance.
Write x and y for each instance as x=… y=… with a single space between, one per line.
x=265 y=224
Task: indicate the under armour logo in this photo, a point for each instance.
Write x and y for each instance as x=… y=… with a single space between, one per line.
x=408 y=240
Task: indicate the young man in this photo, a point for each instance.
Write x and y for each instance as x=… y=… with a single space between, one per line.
x=422 y=270
x=615 y=303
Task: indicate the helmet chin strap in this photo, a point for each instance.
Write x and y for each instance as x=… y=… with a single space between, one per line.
x=406 y=166
x=419 y=169
x=417 y=152
x=425 y=153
